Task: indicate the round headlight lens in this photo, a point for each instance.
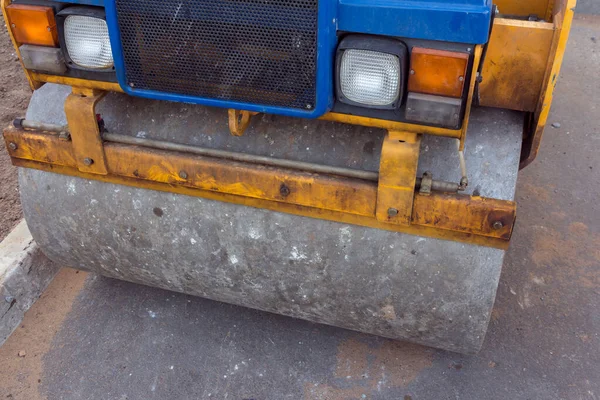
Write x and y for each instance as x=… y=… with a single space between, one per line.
x=87 y=42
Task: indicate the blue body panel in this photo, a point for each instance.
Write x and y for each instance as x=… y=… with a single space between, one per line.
x=461 y=21
x=99 y=3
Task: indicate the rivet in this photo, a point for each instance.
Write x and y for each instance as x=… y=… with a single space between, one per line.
x=392 y=212
x=13 y=146
x=183 y=175
x=13 y=25
x=461 y=78
x=131 y=84
x=498 y=225
x=87 y=161
x=412 y=71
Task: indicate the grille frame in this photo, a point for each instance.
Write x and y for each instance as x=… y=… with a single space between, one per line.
x=325 y=54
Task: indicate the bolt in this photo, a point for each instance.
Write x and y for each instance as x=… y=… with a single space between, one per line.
x=461 y=78
x=49 y=29
x=13 y=146
x=392 y=212
x=308 y=106
x=498 y=225
x=284 y=190
x=131 y=84
x=469 y=49
x=183 y=175
x=412 y=71
x=87 y=161
x=9 y=299
x=13 y=25
x=64 y=135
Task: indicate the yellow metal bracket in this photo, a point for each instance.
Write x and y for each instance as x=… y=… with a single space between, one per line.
x=397 y=177
x=239 y=121
x=80 y=108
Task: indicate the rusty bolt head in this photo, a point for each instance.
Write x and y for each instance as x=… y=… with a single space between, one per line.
x=498 y=225
x=87 y=161
x=183 y=175
x=64 y=135
x=13 y=146
x=284 y=190
x=392 y=212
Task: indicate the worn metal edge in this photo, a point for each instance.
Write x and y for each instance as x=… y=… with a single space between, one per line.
x=25 y=272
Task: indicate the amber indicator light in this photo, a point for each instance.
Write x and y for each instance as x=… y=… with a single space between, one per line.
x=32 y=24
x=437 y=72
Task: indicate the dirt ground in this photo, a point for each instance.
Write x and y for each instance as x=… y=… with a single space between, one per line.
x=14 y=96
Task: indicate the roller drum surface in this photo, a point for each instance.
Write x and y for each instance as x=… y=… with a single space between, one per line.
x=429 y=291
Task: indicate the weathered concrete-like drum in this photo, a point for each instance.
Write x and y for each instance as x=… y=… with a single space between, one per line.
x=429 y=291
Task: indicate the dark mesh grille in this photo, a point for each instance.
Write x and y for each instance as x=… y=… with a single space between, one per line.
x=252 y=51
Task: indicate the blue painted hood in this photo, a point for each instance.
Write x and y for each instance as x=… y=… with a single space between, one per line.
x=462 y=21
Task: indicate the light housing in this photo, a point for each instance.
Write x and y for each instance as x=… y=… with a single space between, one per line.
x=85 y=39
x=32 y=24
x=370 y=72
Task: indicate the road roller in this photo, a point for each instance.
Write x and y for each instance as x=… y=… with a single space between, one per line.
x=346 y=162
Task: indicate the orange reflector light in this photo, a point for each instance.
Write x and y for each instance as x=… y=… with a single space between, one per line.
x=32 y=24
x=437 y=72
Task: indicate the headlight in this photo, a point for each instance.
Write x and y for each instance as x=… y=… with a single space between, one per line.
x=370 y=72
x=369 y=77
x=87 y=42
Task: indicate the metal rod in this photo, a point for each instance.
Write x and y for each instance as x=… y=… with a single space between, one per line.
x=41 y=126
x=464 y=180
x=373 y=176
x=234 y=156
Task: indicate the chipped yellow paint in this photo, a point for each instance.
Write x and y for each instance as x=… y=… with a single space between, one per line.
x=563 y=18
x=515 y=64
x=521 y=8
x=397 y=176
x=76 y=82
x=452 y=217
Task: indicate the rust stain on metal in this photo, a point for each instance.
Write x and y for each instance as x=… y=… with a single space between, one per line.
x=84 y=130
x=348 y=200
x=397 y=176
x=515 y=64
